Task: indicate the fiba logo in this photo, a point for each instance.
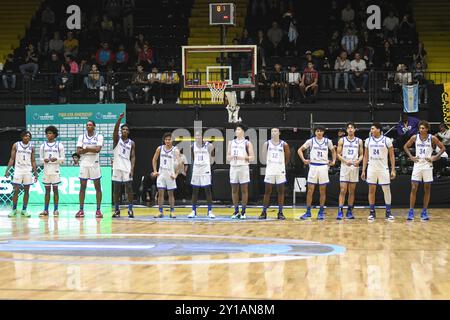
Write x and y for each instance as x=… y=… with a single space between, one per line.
x=98 y=115
x=36 y=116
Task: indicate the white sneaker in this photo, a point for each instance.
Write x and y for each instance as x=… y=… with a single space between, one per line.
x=243 y=216
x=193 y=214
x=161 y=101
x=154 y=101
x=211 y=215
x=178 y=101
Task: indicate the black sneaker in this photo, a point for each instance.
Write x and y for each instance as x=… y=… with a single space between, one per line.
x=263 y=216
x=130 y=214
x=116 y=214
x=281 y=216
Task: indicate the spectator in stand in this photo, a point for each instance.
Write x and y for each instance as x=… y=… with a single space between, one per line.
x=154 y=79
x=293 y=80
x=170 y=82
x=387 y=52
x=390 y=26
x=94 y=80
x=63 y=85
x=407 y=127
x=146 y=57
x=366 y=48
x=48 y=18
x=106 y=29
x=309 y=58
x=263 y=45
x=277 y=83
x=419 y=76
x=84 y=67
x=72 y=64
x=420 y=55
x=334 y=47
x=42 y=45
x=245 y=38
x=10 y=68
x=31 y=61
x=138 y=85
x=139 y=43
x=290 y=29
x=121 y=63
x=104 y=57
x=358 y=71
x=349 y=41
x=406 y=31
x=263 y=85
x=309 y=81
x=56 y=44
x=444 y=136
x=326 y=75
x=127 y=17
x=342 y=68
x=71 y=45
x=348 y=14
x=402 y=77
x=275 y=36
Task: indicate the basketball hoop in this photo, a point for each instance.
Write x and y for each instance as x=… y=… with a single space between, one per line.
x=217 y=89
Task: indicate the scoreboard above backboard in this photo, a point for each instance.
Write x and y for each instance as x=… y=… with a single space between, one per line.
x=222 y=14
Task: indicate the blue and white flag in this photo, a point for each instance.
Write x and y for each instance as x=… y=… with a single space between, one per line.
x=411 y=98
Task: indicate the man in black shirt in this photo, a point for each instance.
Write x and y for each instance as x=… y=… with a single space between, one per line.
x=277 y=82
x=31 y=61
x=63 y=84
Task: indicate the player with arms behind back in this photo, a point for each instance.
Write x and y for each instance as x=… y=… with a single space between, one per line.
x=350 y=152
x=168 y=156
x=201 y=173
x=240 y=154
x=423 y=166
x=22 y=157
x=277 y=154
x=123 y=165
x=51 y=155
x=318 y=162
x=89 y=146
x=378 y=148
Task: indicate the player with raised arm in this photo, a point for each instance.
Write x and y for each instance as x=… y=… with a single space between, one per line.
x=350 y=152
x=23 y=159
x=123 y=165
x=51 y=155
x=378 y=148
x=240 y=154
x=425 y=143
x=277 y=155
x=201 y=173
x=89 y=145
x=318 y=163
x=167 y=173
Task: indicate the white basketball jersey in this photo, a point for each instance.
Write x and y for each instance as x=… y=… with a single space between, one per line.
x=275 y=158
x=202 y=163
x=122 y=155
x=90 y=159
x=424 y=150
x=318 y=153
x=167 y=160
x=239 y=149
x=378 y=152
x=22 y=163
x=52 y=150
x=350 y=148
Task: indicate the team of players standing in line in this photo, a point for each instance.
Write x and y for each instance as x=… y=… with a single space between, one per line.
x=374 y=153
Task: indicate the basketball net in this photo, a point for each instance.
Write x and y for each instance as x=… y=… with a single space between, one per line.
x=217 y=89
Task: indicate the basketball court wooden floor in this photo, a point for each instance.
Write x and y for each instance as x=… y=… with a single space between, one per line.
x=145 y=258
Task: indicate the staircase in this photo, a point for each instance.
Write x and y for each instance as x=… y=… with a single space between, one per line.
x=15 y=17
x=202 y=34
x=433 y=25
